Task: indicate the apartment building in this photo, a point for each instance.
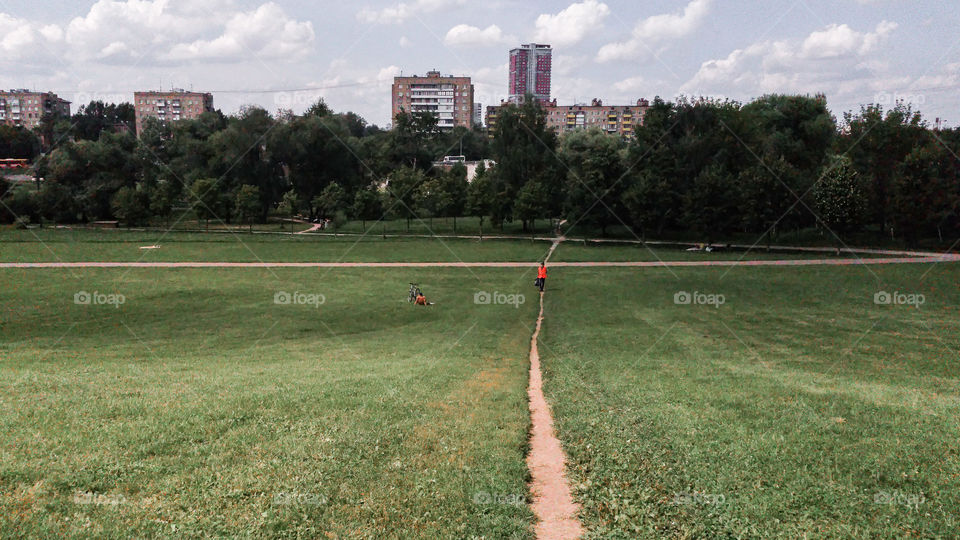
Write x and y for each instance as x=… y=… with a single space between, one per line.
x=614 y=119
x=21 y=107
x=491 y=120
x=448 y=98
x=170 y=106
x=531 y=67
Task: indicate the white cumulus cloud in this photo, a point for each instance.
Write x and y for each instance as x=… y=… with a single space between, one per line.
x=655 y=30
x=571 y=25
x=265 y=33
x=836 y=60
x=464 y=34
x=841 y=40
x=402 y=11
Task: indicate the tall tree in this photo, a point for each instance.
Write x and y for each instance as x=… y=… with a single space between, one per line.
x=841 y=198
x=205 y=199
x=242 y=157
x=877 y=145
x=248 y=204
x=595 y=180
x=366 y=206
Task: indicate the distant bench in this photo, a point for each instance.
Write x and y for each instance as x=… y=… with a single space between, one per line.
x=105 y=225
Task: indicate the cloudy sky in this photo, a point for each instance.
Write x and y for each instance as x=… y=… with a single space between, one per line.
x=287 y=53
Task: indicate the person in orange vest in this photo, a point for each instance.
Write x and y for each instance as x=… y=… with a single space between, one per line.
x=542 y=275
x=421 y=300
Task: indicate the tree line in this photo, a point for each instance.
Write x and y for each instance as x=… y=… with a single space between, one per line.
x=705 y=169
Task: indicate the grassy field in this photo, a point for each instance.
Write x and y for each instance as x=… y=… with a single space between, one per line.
x=199 y=407
x=574 y=251
x=66 y=245
x=797 y=408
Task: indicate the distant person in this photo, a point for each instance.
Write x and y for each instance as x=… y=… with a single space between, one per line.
x=422 y=301
x=542 y=275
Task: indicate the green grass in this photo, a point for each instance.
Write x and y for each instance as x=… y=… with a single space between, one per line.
x=205 y=409
x=798 y=405
x=65 y=245
x=464 y=226
x=208 y=410
x=573 y=251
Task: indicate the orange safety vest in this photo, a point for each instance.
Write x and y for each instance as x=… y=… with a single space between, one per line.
x=542 y=272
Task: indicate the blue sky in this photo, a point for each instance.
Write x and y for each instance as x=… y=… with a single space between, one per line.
x=287 y=53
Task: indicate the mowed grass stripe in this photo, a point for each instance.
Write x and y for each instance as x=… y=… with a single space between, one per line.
x=207 y=410
x=124 y=246
x=797 y=408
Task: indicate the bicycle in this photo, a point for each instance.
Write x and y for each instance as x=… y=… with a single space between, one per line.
x=414 y=292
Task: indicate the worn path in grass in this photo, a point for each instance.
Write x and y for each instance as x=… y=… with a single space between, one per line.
x=553 y=502
x=638 y=264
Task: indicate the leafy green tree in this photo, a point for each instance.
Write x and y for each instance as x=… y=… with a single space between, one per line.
x=480 y=194
x=366 y=206
x=25 y=205
x=131 y=206
x=312 y=152
x=401 y=191
x=162 y=197
x=651 y=202
x=925 y=194
x=412 y=140
x=288 y=206
x=18 y=143
x=241 y=157
x=595 y=181
x=205 y=199
x=712 y=206
x=58 y=203
x=840 y=197
x=532 y=204
x=524 y=148
x=248 y=204
x=877 y=145
x=54 y=129
x=766 y=195
x=6 y=214
x=428 y=199
x=792 y=136
x=332 y=198
x=91 y=172
x=318 y=109
x=92 y=119
x=453 y=193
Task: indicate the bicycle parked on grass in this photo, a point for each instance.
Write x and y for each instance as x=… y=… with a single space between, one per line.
x=414 y=292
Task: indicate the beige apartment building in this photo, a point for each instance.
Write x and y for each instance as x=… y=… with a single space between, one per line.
x=170 y=106
x=21 y=107
x=448 y=98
